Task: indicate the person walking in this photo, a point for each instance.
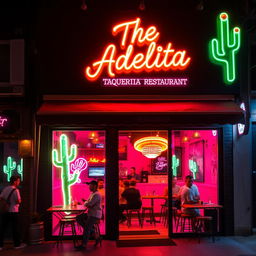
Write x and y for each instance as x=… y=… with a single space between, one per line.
x=11 y=195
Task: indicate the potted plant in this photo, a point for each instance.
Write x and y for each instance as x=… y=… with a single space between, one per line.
x=36 y=229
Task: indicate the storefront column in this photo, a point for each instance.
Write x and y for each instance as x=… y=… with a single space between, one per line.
x=242 y=183
x=112 y=178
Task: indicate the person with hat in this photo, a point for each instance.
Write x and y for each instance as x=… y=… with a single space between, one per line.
x=94 y=214
x=11 y=195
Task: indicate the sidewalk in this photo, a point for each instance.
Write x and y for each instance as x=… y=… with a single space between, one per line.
x=224 y=246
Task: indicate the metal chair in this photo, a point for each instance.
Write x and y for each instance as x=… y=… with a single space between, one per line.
x=151 y=214
x=129 y=216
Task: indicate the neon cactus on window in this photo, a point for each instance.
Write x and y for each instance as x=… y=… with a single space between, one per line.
x=175 y=165
x=9 y=167
x=20 y=169
x=193 y=167
x=224 y=48
x=62 y=159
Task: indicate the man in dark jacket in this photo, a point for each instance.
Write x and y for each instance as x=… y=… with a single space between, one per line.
x=133 y=199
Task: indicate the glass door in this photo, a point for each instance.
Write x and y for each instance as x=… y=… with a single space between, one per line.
x=143 y=184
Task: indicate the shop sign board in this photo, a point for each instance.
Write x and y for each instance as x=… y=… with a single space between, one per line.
x=139 y=50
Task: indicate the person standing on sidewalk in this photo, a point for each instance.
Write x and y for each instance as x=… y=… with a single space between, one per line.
x=12 y=195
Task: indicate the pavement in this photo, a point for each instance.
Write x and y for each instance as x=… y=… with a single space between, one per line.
x=223 y=246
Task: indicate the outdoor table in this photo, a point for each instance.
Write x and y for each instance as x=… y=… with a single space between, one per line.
x=205 y=206
x=152 y=198
x=61 y=211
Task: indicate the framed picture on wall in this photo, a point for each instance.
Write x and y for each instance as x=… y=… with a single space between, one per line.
x=178 y=155
x=159 y=164
x=196 y=160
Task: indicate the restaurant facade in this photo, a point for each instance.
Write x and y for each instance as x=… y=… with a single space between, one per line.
x=160 y=90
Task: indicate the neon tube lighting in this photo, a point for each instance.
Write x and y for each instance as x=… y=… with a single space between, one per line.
x=224 y=48
x=155 y=58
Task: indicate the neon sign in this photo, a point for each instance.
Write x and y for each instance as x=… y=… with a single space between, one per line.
x=3 y=121
x=193 y=167
x=175 y=165
x=224 y=48
x=96 y=160
x=69 y=174
x=147 y=82
x=155 y=58
x=9 y=167
x=161 y=163
x=20 y=169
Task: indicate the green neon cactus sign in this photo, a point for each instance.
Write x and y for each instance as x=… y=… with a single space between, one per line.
x=193 y=167
x=224 y=48
x=9 y=167
x=20 y=169
x=175 y=165
x=62 y=159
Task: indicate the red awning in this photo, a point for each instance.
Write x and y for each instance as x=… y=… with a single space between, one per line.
x=221 y=107
x=223 y=111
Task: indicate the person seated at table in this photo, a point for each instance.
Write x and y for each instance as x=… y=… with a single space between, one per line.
x=189 y=194
x=94 y=214
x=133 y=199
x=175 y=188
x=175 y=193
x=133 y=175
x=126 y=185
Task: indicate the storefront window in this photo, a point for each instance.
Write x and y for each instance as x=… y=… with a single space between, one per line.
x=78 y=157
x=195 y=154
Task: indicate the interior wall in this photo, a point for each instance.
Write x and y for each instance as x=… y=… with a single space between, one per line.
x=134 y=157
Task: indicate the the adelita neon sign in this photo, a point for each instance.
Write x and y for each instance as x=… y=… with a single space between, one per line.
x=154 y=58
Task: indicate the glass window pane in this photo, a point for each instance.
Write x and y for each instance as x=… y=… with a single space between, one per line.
x=195 y=153
x=143 y=183
x=77 y=157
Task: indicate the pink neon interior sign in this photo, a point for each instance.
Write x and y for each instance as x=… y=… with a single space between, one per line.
x=3 y=121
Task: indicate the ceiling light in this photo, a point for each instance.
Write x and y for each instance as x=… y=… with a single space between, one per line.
x=151 y=147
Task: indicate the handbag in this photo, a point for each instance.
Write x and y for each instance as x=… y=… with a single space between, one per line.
x=5 y=204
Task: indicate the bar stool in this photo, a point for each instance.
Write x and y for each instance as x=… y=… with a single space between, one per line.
x=78 y=227
x=65 y=223
x=177 y=218
x=163 y=211
x=151 y=214
x=187 y=222
x=203 y=224
x=96 y=229
x=166 y=217
x=129 y=216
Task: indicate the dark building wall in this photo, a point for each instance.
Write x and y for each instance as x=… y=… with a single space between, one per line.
x=242 y=162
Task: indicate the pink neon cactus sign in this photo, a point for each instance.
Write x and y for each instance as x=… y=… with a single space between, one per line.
x=3 y=121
